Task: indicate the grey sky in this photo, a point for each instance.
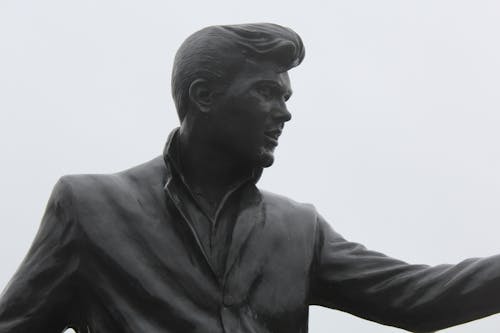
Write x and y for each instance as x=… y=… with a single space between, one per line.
x=395 y=131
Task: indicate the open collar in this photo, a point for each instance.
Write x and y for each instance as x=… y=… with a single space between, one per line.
x=251 y=212
x=171 y=158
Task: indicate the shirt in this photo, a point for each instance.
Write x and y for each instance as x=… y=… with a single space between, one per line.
x=213 y=232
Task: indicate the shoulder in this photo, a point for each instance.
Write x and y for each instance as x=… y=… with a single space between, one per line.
x=281 y=206
x=96 y=185
x=283 y=202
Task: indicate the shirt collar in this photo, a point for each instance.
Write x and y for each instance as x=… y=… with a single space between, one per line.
x=171 y=158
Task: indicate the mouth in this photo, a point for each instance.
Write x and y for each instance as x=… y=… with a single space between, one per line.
x=272 y=136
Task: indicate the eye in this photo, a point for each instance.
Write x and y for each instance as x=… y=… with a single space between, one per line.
x=265 y=91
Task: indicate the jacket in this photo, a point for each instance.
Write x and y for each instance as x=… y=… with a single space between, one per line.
x=116 y=253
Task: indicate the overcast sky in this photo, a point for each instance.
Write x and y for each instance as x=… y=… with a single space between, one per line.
x=394 y=138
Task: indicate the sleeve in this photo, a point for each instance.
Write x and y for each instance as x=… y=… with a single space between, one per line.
x=418 y=298
x=39 y=297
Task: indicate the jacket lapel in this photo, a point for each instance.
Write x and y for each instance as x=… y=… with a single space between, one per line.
x=251 y=211
x=251 y=214
x=171 y=192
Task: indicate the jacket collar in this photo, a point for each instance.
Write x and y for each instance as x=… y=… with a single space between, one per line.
x=170 y=157
x=251 y=213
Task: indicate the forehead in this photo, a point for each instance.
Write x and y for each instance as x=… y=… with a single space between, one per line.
x=254 y=72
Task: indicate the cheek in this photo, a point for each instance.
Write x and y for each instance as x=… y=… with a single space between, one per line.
x=254 y=113
x=244 y=123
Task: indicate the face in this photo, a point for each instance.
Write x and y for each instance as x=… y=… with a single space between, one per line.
x=249 y=114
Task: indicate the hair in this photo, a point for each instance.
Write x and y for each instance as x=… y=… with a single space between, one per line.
x=214 y=52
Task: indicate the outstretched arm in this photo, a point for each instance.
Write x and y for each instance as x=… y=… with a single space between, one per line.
x=417 y=298
x=39 y=296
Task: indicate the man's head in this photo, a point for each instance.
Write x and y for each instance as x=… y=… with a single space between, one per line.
x=230 y=84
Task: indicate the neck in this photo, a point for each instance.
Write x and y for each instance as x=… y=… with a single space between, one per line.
x=206 y=169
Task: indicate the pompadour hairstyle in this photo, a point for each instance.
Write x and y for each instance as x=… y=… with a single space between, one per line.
x=216 y=51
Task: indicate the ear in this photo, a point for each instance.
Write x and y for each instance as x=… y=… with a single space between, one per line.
x=201 y=94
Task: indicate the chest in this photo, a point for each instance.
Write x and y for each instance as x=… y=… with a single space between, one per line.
x=158 y=258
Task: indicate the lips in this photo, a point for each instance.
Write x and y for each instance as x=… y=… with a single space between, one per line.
x=272 y=136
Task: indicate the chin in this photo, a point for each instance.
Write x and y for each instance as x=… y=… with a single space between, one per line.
x=266 y=159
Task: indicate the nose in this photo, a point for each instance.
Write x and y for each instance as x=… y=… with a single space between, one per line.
x=281 y=113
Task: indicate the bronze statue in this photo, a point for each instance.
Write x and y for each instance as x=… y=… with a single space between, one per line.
x=187 y=243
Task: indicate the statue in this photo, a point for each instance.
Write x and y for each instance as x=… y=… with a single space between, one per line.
x=187 y=243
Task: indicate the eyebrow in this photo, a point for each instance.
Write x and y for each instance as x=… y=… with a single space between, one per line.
x=277 y=85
